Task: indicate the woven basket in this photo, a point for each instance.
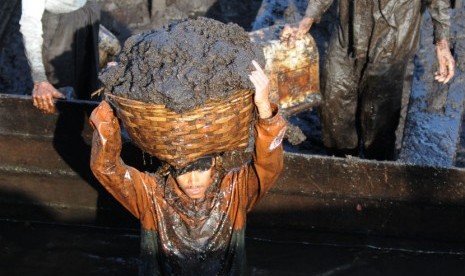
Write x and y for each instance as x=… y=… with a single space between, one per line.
x=179 y=139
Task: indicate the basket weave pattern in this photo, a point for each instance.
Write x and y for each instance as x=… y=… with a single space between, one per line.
x=180 y=139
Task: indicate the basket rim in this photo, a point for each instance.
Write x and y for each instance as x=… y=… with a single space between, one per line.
x=209 y=101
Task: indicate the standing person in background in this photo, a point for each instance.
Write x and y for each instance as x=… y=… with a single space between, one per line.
x=61 y=41
x=363 y=75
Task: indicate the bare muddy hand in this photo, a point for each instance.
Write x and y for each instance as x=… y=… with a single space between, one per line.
x=44 y=95
x=291 y=33
x=446 y=62
x=100 y=118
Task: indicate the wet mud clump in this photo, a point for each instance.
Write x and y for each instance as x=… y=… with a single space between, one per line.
x=184 y=64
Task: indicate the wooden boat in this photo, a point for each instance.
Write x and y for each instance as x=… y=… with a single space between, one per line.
x=45 y=176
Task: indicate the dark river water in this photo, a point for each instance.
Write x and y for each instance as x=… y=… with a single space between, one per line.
x=52 y=249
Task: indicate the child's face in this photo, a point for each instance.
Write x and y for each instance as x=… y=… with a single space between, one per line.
x=195 y=183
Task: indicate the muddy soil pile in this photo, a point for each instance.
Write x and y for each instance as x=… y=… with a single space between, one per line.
x=182 y=65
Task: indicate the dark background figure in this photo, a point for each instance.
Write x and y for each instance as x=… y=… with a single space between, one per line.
x=15 y=76
x=363 y=75
x=61 y=43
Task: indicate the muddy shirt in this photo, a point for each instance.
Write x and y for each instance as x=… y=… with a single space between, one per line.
x=384 y=30
x=32 y=29
x=181 y=236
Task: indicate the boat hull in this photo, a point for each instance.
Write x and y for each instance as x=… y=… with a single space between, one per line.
x=45 y=176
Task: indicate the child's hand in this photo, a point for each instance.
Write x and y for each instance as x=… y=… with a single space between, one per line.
x=102 y=119
x=262 y=91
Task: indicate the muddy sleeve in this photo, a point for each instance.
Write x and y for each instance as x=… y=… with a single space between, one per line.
x=123 y=182
x=440 y=13
x=316 y=8
x=267 y=162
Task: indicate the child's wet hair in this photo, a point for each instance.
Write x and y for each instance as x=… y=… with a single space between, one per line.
x=201 y=164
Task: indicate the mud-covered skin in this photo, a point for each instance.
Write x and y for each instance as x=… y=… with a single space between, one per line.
x=362 y=79
x=384 y=30
x=180 y=235
x=184 y=64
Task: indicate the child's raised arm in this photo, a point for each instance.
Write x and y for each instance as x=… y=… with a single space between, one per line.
x=125 y=183
x=262 y=91
x=269 y=131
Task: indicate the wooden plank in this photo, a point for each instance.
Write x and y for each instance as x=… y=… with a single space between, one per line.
x=368 y=216
x=26 y=153
x=63 y=198
x=314 y=192
x=357 y=178
x=19 y=116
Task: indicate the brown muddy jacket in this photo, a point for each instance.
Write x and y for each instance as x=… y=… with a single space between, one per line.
x=181 y=236
x=383 y=30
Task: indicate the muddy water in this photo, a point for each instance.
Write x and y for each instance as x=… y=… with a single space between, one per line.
x=46 y=249
x=184 y=64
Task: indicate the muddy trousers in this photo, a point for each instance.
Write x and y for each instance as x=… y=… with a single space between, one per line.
x=361 y=105
x=70 y=50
